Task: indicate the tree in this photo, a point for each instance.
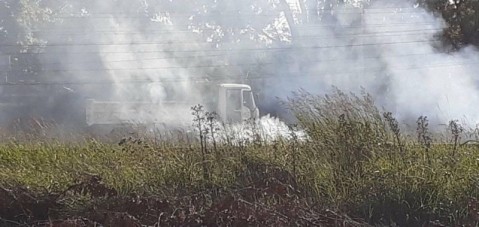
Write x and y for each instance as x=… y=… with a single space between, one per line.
x=21 y=18
x=462 y=18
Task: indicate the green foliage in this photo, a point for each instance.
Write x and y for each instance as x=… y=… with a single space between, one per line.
x=372 y=171
x=462 y=18
x=355 y=161
x=21 y=20
x=346 y=129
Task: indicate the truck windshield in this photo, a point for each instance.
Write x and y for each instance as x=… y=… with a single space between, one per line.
x=248 y=100
x=234 y=99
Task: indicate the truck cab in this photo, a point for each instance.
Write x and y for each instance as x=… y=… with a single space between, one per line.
x=236 y=103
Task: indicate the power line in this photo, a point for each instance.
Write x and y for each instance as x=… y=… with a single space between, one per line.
x=190 y=67
x=387 y=33
x=263 y=76
x=167 y=30
x=383 y=9
x=212 y=66
x=251 y=49
x=211 y=14
x=162 y=32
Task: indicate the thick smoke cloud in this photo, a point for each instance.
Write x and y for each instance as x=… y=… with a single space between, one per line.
x=389 y=49
x=138 y=51
x=118 y=51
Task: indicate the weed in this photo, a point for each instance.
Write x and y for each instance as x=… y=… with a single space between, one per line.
x=344 y=167
x=200 y=124
x=456 y=130
x=394 y=127
x=423 y=135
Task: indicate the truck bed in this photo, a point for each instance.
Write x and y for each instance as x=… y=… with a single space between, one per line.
x=114 y=112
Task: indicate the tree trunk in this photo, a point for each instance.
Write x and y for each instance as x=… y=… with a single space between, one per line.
x=290 y=19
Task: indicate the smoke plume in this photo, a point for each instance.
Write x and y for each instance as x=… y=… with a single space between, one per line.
x=390 y=49
x=146 y=51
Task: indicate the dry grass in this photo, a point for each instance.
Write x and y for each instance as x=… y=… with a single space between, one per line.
x=356 y=161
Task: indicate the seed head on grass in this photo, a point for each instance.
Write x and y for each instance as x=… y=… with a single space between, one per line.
x=456 y=131
x=424 y=136
x=394 y=126
x=199 y=119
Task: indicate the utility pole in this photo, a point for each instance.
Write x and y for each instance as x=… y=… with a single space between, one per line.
x=363 y=32
x=9 y=68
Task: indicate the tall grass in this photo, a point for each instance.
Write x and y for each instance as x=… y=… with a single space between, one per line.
x=355 y=160
x=368 y=168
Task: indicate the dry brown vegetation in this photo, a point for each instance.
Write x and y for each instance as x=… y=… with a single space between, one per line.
x=356 y=168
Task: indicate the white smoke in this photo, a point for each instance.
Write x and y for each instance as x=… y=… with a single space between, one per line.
x=147 y=54
x=267 y=129
x=128 y=50
x=388 y=49
x=443 y=86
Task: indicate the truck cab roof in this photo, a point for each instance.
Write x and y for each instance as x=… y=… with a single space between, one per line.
x=244 y=86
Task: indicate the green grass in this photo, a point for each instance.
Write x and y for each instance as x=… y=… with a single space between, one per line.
x=353 y=162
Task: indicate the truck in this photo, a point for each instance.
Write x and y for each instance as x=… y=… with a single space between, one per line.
x=87 y=110
x=233 y=103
